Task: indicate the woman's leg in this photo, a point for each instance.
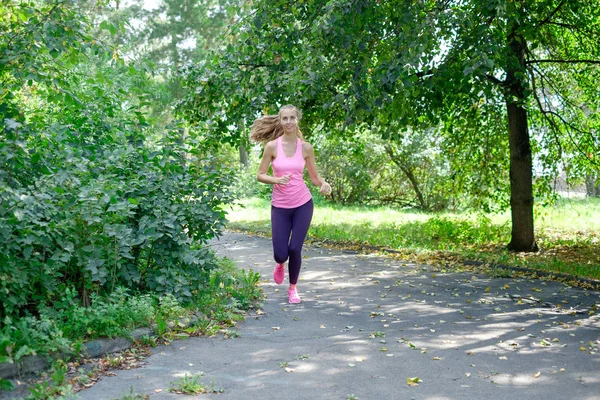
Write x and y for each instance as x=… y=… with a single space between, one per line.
x=300 y=222
x=281 y=228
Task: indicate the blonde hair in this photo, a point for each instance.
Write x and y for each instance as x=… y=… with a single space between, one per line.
x=268 y=127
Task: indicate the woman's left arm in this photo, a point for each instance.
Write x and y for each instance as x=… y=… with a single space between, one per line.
x=311 y=165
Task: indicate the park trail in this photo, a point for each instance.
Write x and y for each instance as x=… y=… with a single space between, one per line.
x=374 y=328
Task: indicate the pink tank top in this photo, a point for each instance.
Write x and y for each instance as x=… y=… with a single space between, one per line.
x=295 y=193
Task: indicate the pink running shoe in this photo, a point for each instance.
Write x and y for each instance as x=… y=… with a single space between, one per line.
x=293 y=296
x=278 y=273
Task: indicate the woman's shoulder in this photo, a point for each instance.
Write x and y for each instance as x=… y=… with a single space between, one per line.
x=307 y=146
x=271 y=148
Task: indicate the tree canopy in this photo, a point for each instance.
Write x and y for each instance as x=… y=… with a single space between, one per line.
x=510 y=83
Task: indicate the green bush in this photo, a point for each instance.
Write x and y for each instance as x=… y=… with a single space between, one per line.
x=122 y=215
x=92 y=195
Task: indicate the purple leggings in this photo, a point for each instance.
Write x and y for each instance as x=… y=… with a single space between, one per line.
x=294 y=222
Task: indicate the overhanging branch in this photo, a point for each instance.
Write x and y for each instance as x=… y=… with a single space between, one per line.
x=558 y=61
x=553 y=13
x=495 y=80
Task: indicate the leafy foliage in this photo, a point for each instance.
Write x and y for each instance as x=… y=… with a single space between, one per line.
x=91 y=197
x=468 y=66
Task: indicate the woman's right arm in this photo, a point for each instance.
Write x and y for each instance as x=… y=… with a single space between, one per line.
x=268 y=156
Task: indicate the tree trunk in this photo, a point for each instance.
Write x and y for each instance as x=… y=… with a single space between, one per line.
x=407 y=170
x=521 y=176
x=592 y=185
x=243 y=155
x=243 y=151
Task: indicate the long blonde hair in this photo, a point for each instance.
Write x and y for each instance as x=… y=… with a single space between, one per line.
x=268 y=127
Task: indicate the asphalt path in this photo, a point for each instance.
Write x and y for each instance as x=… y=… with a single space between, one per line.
x=370 y=327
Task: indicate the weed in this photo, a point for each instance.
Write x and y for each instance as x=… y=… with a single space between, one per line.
x=132 y=396
x=188 y=384
x=55 y=386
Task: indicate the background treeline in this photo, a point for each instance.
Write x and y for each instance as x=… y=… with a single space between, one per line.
x=478 y=104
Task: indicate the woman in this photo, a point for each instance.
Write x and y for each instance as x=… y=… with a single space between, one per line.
x=291 y=205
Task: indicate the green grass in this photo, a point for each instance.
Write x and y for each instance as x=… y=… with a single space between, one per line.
x=568 y=234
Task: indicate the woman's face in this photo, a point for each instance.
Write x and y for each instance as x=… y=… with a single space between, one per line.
x=289 y=119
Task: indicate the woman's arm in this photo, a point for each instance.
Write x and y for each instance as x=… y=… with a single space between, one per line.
x=311 y=165
x=268 y=156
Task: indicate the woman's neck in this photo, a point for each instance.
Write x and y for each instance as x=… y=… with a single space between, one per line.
x=289 y=136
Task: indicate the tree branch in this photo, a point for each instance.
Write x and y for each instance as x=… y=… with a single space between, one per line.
x=549 y=17
x=495 y=80
x=549 y=116
x=562 y=25
x=558 y=61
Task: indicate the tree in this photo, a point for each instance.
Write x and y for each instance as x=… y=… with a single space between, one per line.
x=503 y=64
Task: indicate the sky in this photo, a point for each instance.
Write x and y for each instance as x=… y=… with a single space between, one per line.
x=148 y=4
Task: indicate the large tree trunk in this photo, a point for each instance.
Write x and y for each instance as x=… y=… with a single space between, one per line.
x=521 y=177
x=592 y=185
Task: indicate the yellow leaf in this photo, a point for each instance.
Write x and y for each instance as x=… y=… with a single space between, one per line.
x=487 y=289
x=436 y=358
x=413 y=381
x=582 y=348
x=537 y=374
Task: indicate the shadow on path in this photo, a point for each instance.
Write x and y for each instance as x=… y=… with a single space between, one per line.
x=368 y=323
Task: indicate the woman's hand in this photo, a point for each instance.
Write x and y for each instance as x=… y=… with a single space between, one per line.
x=284 y=180
x=325 y=188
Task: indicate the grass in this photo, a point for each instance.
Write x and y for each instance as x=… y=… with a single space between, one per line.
x=220 y=304
x=568 y=234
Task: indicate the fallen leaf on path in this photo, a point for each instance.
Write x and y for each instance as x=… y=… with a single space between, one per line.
x=413 y=381
x=537 y=374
